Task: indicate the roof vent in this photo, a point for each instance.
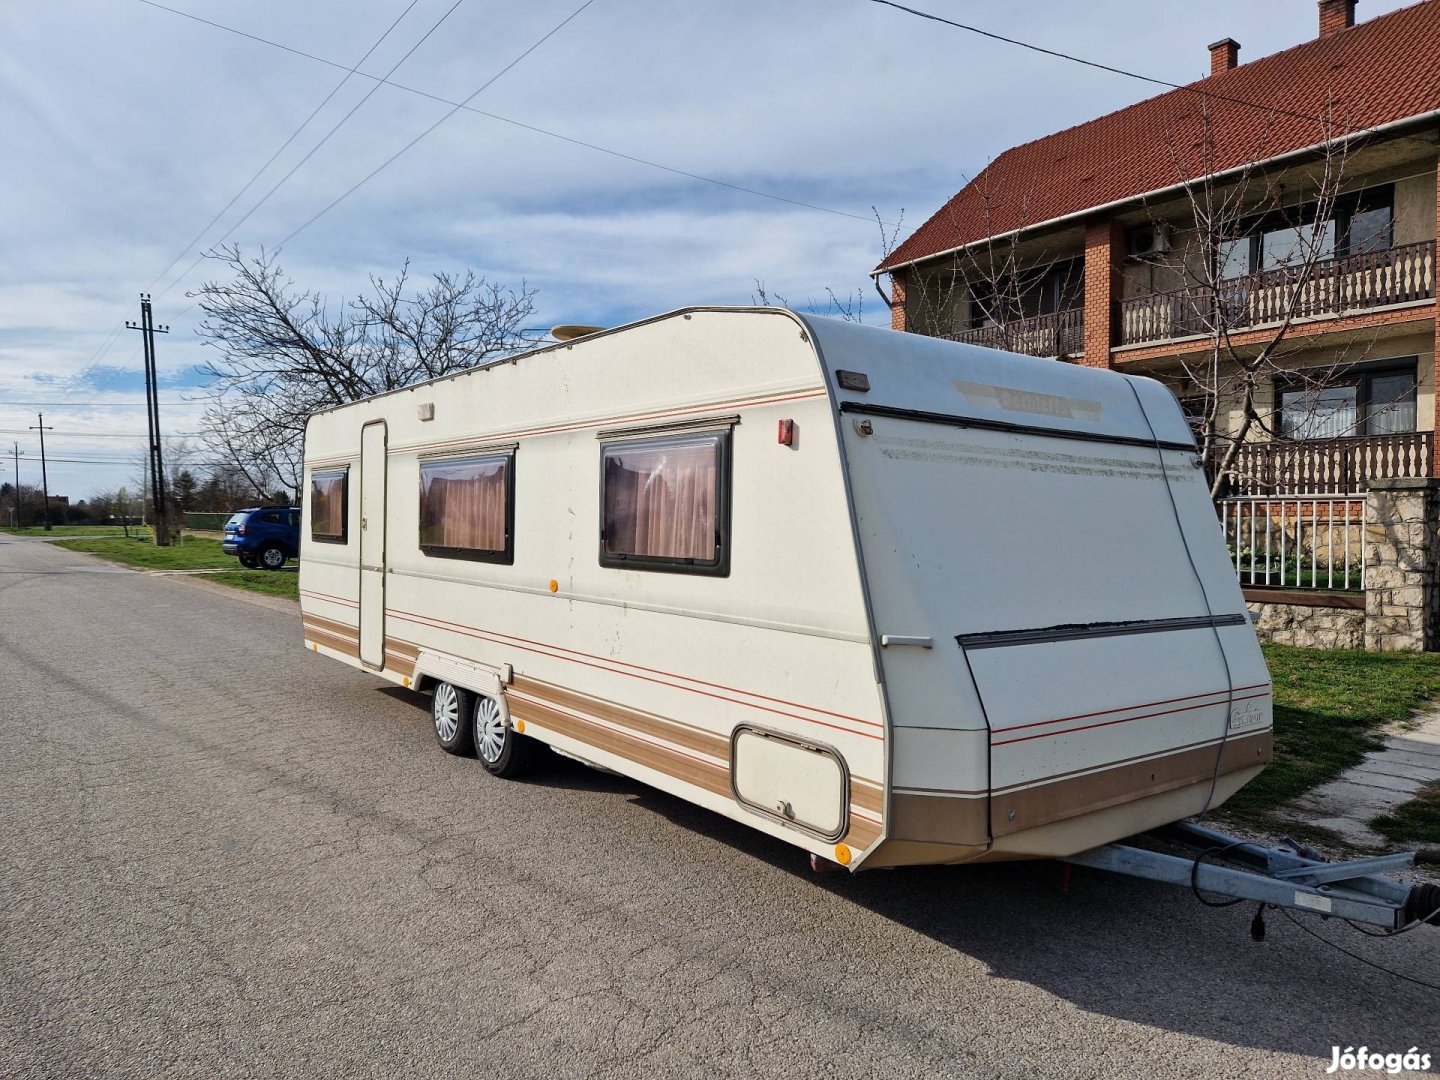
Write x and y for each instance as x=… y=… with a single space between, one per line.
x=1336 y=15
x=1224 y=55
x=571 y=331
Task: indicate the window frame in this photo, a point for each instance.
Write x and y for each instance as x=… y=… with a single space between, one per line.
x=343 y=472
x=1251 y=231
x=502 y=556
x=660 y=564
x=1361 y=376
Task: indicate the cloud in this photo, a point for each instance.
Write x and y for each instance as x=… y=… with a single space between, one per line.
x=127 y=128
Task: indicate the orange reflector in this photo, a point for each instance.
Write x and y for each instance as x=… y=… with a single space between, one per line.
x=406 y=681
x=554 y=585
x=842 y=854
x=520 y=726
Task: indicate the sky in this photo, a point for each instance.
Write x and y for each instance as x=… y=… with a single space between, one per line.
x=128 y=127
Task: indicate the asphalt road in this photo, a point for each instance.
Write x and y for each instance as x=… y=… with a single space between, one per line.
x=223 y=856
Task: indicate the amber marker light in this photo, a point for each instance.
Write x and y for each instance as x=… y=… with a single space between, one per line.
x=842 y=854
x=520 y=726
x=554 y=585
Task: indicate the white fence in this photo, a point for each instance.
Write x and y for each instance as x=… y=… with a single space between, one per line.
x=1296 y=543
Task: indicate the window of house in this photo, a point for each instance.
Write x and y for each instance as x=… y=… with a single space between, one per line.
x=467 y=507
x=665 y=503
x=1357 y=223
x=1044 y=291
x=1369 y=401
x=328 y=499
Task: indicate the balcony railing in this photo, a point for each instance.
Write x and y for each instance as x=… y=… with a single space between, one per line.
x=1056 y=334
x=1374 y=279
x=1325 y=466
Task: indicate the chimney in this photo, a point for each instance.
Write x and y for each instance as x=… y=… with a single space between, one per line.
x=1336 y=15
x=1224 y=55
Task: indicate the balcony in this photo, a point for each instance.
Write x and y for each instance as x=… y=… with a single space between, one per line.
x=1326 y=466
x=1351 y=284
x=1059 y=333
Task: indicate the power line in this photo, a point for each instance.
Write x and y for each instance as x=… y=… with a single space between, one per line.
x=324 y=139
x=285 y=145
x=107 y=434
x=533 y=128
x=105 y=345
x=480 y=90
x=1272 y=109
x=100 y=404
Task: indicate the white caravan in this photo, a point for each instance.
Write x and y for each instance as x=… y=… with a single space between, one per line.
x=890 y=598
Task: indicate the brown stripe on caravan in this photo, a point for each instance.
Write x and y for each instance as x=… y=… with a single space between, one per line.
x=657 y=727
x=1044 y=803
x=398 y=662
x=703 y=774
x=867 y=795
x=861 y=834
x=939 y=819
x=403 y=648
x=340 y=645
x=331 y=626
x=560 y=710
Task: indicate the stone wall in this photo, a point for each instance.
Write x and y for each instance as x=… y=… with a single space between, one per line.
x=1401 y=609
x=1308 y=626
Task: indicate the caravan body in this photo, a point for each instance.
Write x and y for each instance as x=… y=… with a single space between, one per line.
x=890 y=598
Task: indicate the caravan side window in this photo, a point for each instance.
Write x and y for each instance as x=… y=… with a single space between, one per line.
x=328 y=499
x=467 y=507
x=666 y=503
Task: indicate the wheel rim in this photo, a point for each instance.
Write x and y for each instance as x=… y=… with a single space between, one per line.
x=273 y=557
x=489 y=730
x=446 y=710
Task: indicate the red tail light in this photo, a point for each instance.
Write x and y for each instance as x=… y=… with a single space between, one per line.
x=240 y=530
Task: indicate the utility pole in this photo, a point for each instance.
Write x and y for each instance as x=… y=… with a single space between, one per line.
x=148 y=330
x=18 y=452
x=44 y=480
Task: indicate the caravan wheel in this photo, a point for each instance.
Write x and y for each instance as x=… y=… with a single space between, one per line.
x=451 y=708
x=501 y=749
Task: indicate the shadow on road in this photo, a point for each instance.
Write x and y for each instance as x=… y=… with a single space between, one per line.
x=1174 y=966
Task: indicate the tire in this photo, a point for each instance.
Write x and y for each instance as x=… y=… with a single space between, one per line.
x=248 y=561
x=272 y=557
x=501 y=749
x=452 y=715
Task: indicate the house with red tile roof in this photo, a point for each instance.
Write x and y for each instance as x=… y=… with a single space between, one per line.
x=1277 y=219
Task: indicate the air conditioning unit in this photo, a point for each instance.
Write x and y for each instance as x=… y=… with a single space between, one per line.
x=1147 y=240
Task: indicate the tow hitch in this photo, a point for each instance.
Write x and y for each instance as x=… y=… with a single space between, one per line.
x=1290 y=876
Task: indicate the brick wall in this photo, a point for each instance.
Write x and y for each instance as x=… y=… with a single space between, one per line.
x=897 y=301
x=1103 y=249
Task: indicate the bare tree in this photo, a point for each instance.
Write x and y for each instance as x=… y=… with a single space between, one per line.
x=1247 y=314
x=1010 y=290
x=284 y=352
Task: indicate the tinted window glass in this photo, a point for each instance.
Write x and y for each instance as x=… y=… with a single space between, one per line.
x=328 y=496
x=664 y=503
x=467 y=506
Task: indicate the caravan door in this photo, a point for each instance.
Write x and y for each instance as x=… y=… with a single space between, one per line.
x=373 y=441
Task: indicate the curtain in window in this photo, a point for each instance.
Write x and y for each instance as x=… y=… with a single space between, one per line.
x=1324 y=413
x=463 y=504
x=327 y=505
x=1392 y=405
x=661 y=499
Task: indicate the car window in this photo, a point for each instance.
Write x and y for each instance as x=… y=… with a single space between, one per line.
x=271 y=517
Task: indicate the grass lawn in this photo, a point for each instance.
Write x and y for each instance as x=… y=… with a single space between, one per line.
x=1329 y=707
x=1414 y=822
x=195 y=553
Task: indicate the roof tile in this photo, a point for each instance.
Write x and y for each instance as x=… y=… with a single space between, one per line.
x=1380 y=71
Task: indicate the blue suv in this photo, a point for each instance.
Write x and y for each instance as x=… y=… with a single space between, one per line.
x=263 y=536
